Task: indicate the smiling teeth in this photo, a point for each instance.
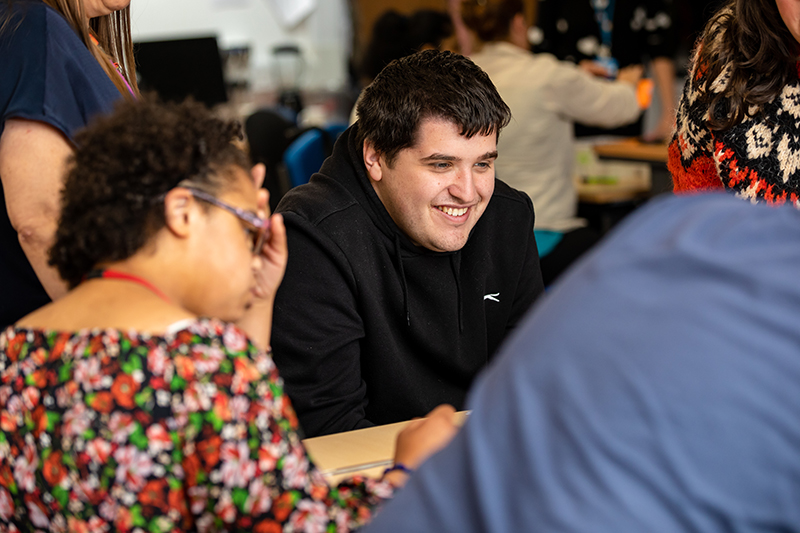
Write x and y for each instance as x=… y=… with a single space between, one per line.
x=453 y=212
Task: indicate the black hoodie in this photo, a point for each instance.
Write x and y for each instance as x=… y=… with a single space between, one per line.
x=370 y=328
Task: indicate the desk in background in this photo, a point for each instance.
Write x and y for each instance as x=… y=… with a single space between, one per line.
x=362 y=451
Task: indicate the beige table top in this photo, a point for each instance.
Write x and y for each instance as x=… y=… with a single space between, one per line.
x=633 y=149
x=362 y=451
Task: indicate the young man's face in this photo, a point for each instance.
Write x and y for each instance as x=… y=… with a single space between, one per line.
x=436 y=190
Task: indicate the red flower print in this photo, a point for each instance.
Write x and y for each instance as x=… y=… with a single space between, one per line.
x=25 y=469
x=6 y=477
x=198 y=496
x=133 y=467
x=37 y=512
x=158 y=439
x=58 y=347
x=237 y=468
x=8 y=422
x=260 y=497
x=185 y=367
x=99 y=450
x=39 y=356
x=209 y=450
x=245 y=373
x=76 y=420
x=39 y=378
x=6 y=505
x=225 y=509
x=283 y=506
x=102 y=402
x=77 y=526
x=124 y=520
x=177 y=501
x=30 y=397
x=87 y=373
x=191 y=467
x=221 y=408
x=157 y=361
x=153 y=493
x=14 y=347
x=123 y=389
x=234 y=340
x=53 y=469
x=268 y=526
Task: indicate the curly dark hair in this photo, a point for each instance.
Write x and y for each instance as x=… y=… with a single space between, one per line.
x=750 y=38
x=122 y=168
x=428 y=84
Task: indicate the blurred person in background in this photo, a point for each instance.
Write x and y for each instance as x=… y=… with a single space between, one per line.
x=605 y=35
x=64 y=61
x=546 y=97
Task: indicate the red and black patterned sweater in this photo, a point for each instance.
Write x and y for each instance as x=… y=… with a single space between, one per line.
x=758 y=159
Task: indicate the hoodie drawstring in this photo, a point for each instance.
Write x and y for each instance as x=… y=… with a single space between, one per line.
x=403 y=282
x=455 y=265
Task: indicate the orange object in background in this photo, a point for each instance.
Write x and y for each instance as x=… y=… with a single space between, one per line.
x=644 y=92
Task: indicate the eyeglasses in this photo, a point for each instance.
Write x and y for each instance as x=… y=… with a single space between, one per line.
x=257 y=228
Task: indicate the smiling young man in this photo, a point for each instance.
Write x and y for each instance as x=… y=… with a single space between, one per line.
x=408 y=261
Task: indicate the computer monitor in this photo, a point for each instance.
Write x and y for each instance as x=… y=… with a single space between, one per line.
x=178 y=68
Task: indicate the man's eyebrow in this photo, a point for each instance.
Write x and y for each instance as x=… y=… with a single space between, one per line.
x=443 y=157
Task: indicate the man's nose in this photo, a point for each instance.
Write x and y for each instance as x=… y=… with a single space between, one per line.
x=463 y=187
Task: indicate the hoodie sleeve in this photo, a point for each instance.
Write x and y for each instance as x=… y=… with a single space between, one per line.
x=317 y=347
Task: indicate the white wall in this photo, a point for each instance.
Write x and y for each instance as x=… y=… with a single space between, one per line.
x=324 y=36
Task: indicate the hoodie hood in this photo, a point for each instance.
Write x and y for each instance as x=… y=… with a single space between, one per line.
x=346 y=166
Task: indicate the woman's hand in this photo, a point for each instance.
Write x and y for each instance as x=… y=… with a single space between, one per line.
x=422 y=438
x=274 y=255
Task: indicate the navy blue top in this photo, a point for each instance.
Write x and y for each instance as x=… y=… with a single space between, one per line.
x=46 y=74
x=656 y=388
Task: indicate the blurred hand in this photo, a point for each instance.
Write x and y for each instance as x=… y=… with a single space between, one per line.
x=274 y=255
x=594 y=68
x=421 y=438
x=630 y=74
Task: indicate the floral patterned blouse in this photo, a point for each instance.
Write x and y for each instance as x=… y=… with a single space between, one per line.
x=107 y=431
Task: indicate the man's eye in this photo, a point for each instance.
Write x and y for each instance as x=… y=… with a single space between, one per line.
x=440 y=166
x=484 y=165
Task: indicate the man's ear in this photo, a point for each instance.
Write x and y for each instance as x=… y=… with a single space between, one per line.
x=178 y=211
x=373 y=161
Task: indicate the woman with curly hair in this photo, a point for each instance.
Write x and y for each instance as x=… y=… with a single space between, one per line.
x=63 y=61
x=146 y=397
x=738 y=124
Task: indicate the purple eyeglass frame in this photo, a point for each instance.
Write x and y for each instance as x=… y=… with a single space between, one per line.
x=261 y=224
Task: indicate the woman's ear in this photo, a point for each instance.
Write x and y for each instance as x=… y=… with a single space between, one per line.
x=178 y=206
x=373 y=161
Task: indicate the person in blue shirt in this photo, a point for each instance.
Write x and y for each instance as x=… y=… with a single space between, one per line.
x=63 y=62
x=655 y=388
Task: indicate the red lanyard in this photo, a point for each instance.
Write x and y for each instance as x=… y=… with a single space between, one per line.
x=115 y=274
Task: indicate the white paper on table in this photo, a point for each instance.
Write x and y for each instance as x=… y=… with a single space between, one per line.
x=290 y=13
x=229 y=4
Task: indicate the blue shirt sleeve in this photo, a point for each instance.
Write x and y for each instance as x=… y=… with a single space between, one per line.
x=47 y=74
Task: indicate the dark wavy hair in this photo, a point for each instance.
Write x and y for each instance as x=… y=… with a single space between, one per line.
x=122 y=168
x=491 y=19
x=428 y=84
x=749 y=37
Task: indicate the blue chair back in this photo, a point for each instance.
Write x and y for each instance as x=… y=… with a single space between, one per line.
x=306 y=154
